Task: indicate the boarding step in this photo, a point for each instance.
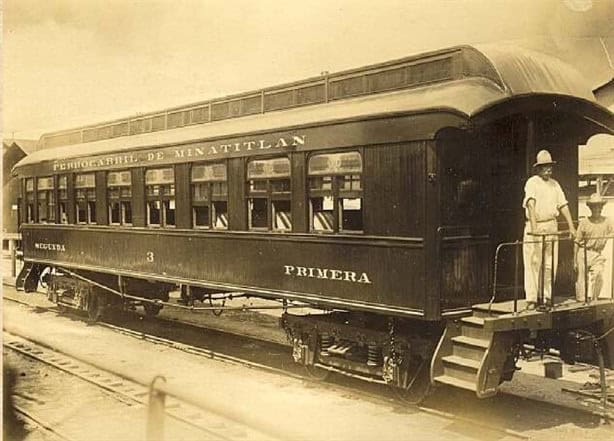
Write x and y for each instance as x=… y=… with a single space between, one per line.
x=461 y=361
x=452 y=381
x=473 y=327
x=460 y=372
x=470 y=355
x=471 y=341
x=468 y=352
x=473 y=321
x=483 y=311
x=469 y=348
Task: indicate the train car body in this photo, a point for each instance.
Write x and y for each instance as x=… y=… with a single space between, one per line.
x=379 y=193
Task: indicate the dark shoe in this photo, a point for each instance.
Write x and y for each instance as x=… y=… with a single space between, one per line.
x=547 y=306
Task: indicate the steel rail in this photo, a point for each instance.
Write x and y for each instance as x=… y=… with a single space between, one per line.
x=37 y=421
x=135 y=391
x=195 y=350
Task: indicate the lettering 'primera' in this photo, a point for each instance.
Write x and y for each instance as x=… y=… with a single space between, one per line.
x=327 y=273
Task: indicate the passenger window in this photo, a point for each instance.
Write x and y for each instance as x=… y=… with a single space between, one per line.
x=119 y=197
x=63 y=198
x=85 y=195
x=209 y=196
x=335 y=192
x=160 y=194
x=30 y=200
x=46 y=199
x=269 y=195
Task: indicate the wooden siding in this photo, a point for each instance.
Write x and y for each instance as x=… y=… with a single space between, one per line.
x=394 y=189
x=465 y=272
x=432 y=222
x=102 y=211
x=300 y=207
x=22 y=200
x=138 y=197
x=245 y=260
x=35 y=195
x=237 y=209
x=70 y=192
x=56 y=194
x=183 y=196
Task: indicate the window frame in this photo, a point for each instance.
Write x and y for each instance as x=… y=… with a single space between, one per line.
x=90 y=199
x=45 y=200
x=30 y=200
x=63 y=199
x=212 y=199
x=121 y=199
x=162 y=197
x=337 y=192
x=269 y=195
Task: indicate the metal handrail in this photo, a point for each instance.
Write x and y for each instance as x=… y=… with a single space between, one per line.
x=517 y=244
x=541 y=286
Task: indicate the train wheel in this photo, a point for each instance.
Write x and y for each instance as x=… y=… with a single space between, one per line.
x=317 y=373
x=95 y=306
x=217 y=312
x=417 y=383
x=186 y=299
x=151 y=309
x=44 y=277
x=51 y=292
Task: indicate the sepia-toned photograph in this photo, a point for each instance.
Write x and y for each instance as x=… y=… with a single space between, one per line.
x=246 y=220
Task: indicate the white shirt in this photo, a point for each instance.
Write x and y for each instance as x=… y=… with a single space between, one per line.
x=548 y=195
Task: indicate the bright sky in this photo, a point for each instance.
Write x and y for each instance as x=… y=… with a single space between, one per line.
x=71 y=62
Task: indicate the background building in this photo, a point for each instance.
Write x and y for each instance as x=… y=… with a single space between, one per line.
x=13 y=151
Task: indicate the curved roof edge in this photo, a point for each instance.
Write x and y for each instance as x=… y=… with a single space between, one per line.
x=525 y=71
x=466 y=96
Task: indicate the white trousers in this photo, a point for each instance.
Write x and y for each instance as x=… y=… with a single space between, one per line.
x=596 y=266
x=532 y=257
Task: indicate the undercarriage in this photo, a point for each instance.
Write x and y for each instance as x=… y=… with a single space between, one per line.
x=371 y=348
x=92 y=292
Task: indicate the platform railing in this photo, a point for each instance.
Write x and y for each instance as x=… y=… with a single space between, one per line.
x=544 y=239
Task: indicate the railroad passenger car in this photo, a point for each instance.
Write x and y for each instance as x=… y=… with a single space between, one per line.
x=377 y=194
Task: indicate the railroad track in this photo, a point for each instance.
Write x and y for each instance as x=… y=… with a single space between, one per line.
x=40 y=424
x=215 y=355
x=191 y=349
x=128 y=391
